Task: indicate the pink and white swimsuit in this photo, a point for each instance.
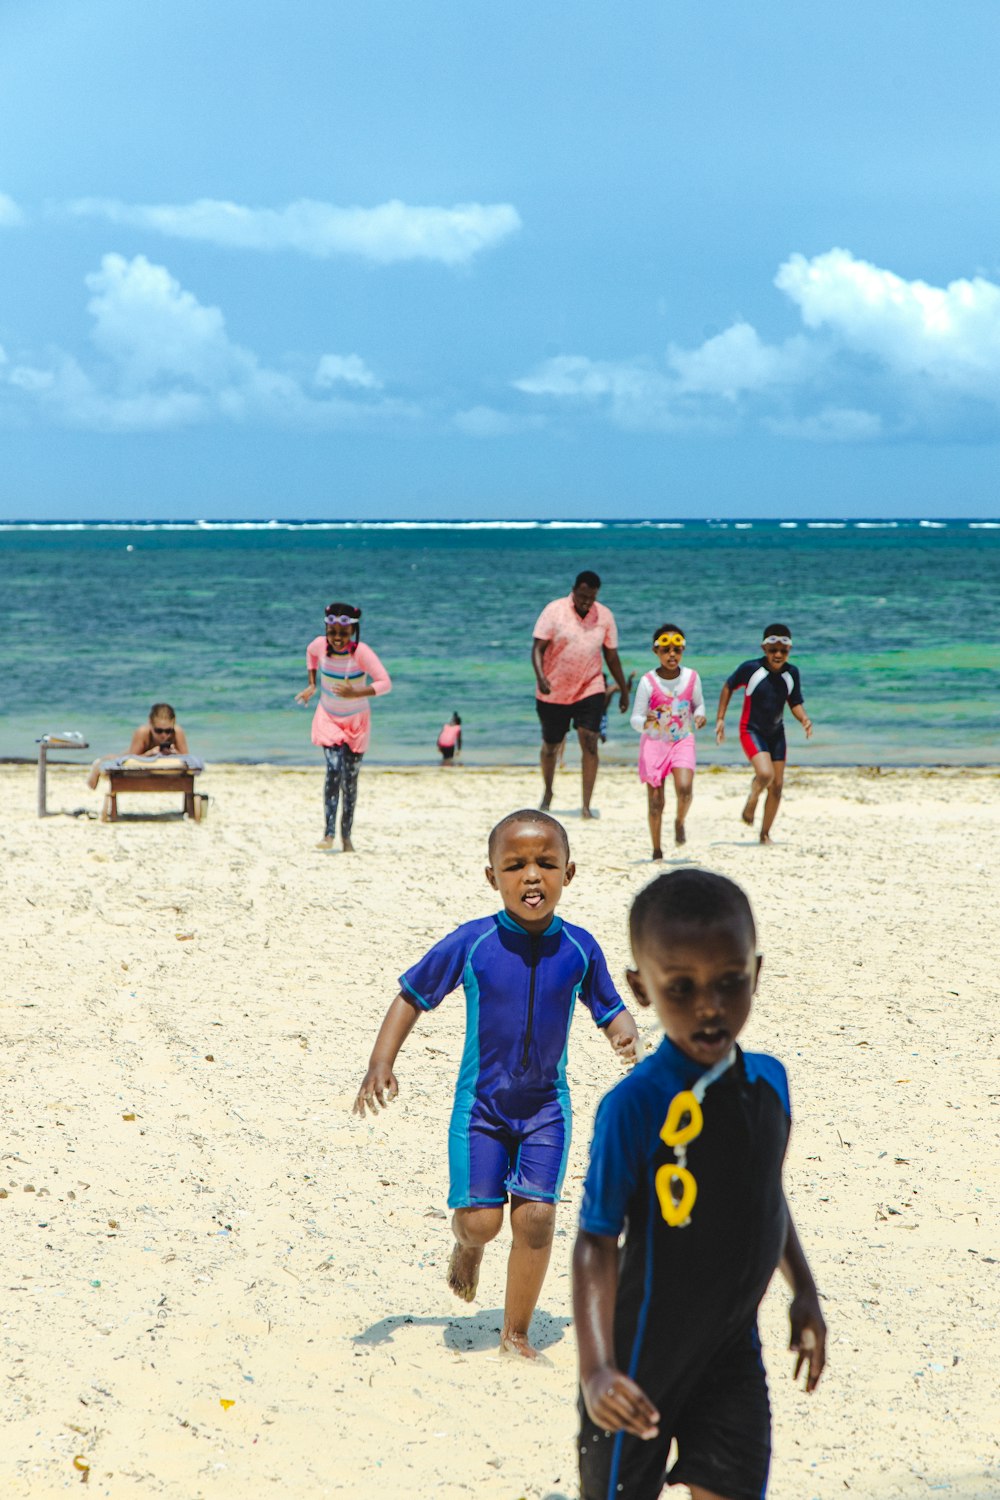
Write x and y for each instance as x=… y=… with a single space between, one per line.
x=344 y=721
x=675 y=703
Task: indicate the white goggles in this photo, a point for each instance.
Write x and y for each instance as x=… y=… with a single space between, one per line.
x=777 y=640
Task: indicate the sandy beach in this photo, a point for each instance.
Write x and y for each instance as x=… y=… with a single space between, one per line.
x=218 y=1283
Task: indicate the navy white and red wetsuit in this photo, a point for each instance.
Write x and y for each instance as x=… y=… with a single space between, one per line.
x=762 y=720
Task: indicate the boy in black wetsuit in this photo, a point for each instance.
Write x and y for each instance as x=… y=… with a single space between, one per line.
x=686 y=1158
x=770 y=682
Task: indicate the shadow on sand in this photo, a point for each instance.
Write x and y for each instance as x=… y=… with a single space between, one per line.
x=471 y=1332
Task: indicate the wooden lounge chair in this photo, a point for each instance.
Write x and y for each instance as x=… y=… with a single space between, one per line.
x=139 y=774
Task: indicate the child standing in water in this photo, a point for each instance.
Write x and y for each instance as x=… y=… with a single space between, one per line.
x=449 y=741
x=669 y=700
x=769 y=682
x=342 y=722
x=522 y=970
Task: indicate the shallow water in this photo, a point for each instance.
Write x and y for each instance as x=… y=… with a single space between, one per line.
x=897 y=628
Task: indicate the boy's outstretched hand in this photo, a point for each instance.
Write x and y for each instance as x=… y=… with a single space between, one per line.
x=808 y=1341
x=618 y=1405
x=378 y=1088
x=625 y=1049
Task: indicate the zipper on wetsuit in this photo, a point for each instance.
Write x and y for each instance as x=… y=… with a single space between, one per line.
x=531 y=1004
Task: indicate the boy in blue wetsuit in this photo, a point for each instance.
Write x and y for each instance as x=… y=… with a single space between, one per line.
x=770 y=681
x=522 y=970
x=686 y=1159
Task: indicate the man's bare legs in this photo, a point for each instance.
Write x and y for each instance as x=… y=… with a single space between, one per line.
x=590 y=761
x=697 y=1493
x=655 y=818
x=684 y=790
x=532 y=1227
x=473 y=1228
x=548 y=760
x=769 y=778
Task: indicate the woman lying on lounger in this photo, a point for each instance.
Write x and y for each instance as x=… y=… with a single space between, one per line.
x=161 y=735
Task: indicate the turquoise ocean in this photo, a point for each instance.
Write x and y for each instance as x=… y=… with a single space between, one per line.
x=896 y=625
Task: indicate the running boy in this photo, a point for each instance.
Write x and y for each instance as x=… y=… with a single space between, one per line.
x=686 y=1158
x=668 y=702
x=522 y=970
x=770 y=681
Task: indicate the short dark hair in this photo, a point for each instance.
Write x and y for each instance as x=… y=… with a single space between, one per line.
x=587 y=577
x=697 y=897
x=528 y=815
x=776 y=630
x=162 y=711
x=663 y=629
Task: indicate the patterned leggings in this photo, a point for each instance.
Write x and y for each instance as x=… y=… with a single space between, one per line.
x=342 y=767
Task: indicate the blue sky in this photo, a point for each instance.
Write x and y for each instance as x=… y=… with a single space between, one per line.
x=462 y=260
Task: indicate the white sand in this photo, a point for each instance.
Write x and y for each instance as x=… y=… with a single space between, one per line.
x=187 y=1012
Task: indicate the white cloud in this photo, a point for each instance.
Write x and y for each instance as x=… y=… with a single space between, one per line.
x=166 y=360
x=389 y=232
x=833 y=424
x=736 y=361
x=946 y=335
x=488 y=422
x=348 y=369
x=877 y=356
x=11 y=217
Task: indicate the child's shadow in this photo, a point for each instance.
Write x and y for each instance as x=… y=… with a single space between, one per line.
x=471 y=1333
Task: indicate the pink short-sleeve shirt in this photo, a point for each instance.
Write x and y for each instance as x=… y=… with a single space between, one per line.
x=572 y=657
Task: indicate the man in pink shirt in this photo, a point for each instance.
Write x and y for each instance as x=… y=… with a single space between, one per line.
x=570 y=636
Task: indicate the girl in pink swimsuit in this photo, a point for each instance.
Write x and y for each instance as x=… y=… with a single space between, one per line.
x=668 y=702
x=340 y=664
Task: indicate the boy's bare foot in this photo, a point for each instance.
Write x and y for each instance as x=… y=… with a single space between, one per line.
x=765 y=838
x=680 y=837
x=326 y=843
x=749 y=813
x=546 y=802
x=657 y=853
x=463 y=1271
x=517 y=1343
x=347 y=846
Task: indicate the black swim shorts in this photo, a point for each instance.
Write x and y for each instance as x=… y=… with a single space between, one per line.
x=556 y=718
x=722 y=1424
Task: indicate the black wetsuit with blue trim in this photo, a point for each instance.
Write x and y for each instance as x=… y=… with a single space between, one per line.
x=510 y=1125
x=688 y=1292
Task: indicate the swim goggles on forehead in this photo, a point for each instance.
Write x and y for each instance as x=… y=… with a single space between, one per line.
x=673 y=639
x=777 y=640
x=341 y=620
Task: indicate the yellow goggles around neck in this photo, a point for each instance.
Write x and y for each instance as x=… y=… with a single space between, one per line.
x=674 y=639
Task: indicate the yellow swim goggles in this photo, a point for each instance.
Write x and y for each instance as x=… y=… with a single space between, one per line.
x=674 y=639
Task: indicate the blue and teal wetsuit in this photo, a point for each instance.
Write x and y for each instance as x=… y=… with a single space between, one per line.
x=511 y=1124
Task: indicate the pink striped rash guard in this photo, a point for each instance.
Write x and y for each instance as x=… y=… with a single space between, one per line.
x=344 y=721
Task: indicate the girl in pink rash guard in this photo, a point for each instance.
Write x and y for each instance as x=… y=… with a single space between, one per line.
x=340 y=665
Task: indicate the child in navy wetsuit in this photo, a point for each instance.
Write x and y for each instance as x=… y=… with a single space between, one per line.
x=522 y=970
x=770 y=682
x=686 y=1159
